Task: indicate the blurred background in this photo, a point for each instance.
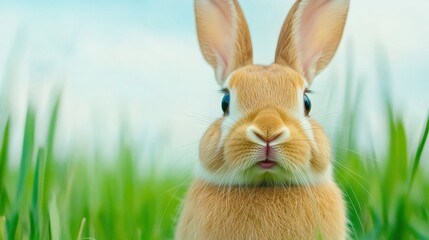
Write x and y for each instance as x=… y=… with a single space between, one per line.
x=138 y=64
x=132 y=72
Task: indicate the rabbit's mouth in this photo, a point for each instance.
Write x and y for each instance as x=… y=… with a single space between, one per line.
x=267 y=164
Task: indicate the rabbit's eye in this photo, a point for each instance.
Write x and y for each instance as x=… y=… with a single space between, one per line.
x=307 y=104
x=225 y=103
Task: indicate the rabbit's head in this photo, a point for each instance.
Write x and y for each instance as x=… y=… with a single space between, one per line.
x=266 y=135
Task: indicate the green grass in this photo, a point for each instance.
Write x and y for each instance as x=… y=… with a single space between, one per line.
x=388 y=197
x=82 y=197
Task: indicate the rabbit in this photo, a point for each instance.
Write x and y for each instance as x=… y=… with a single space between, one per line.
x=265 y=169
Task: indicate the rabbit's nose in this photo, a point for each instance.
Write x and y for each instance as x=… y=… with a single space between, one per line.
x=268 y=129
x=266 y=138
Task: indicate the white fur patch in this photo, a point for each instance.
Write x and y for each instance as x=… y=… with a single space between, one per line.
x=303 y=120
x=282 y=138
x=250 y=133
x=234 y=112
x=303 y=176
x=308 y=130
x=312 y=178
x=230 y=178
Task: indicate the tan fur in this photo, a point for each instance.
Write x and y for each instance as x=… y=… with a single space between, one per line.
x=266 y=85
x=233 y=197
x=286 y=52
x=213 y=212
x=243 y=44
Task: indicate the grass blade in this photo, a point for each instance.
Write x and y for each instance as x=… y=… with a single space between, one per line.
x=37 y=191
x=26 y=157
x=27 y=153
x=49 y=165
x=2 y=227
x=82 y=225
x=4 y=200
x=419 y=153
x=54 y=219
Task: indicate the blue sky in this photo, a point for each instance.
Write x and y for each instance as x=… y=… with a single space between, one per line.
x=138 y=62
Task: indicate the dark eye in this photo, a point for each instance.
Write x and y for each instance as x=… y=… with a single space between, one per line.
x=307 y=104
x=225 y=103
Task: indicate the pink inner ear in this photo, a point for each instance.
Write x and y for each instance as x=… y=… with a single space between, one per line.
x=222 y=8
x=222 y=33
x=315 y=25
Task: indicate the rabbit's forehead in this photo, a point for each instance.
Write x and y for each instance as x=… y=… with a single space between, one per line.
x=259 y=86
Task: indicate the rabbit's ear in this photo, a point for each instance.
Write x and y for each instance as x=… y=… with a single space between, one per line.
x=311 y=35
x=223 y=35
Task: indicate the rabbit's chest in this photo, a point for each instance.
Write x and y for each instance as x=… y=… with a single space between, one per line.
x=264 y=213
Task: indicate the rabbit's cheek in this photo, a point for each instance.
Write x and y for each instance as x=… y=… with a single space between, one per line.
x=296 y=152
x=211 y=153
x=237 y=148
x=321 y=156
